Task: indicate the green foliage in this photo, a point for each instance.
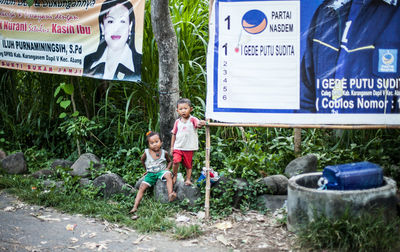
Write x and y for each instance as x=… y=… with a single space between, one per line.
x=90 y=192
x=126 y=163
x=257 y=159
x=187 y=232
x=64 y=102
x=191 y=26
x=345 y=146
x=3 y=141
x=81 y=128
x=71 y=183
x=251 y=153
x=367 y=232
x=37 y=159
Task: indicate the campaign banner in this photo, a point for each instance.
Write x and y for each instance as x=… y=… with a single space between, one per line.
x=94 y=38
x=304 y=62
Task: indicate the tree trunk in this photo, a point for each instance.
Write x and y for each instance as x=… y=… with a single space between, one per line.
x=168 y=86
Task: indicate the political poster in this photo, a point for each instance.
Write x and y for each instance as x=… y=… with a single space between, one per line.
x=94 y=38
x=304 y=62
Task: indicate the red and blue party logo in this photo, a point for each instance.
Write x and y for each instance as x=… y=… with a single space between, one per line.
x=254 y=21
x=387 y=60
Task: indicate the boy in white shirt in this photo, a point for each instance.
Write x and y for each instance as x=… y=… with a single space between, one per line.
x=184 y=139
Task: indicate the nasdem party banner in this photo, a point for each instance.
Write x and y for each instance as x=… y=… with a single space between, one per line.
x=95 y=38
x=304 y=62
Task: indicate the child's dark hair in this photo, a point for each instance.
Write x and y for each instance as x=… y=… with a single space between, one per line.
x=184 y=101
x=152 y=133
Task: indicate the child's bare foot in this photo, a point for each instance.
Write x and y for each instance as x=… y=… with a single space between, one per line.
x=133 y=210
x=188 y=183
x=134 y=217
x=171 y=196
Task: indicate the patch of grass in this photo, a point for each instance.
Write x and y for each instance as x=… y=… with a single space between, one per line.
x=187 y=232
x=367 y=232
x=17 y=182
x=153 y=215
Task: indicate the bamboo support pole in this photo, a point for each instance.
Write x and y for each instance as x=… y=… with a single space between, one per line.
x=208 y=184
x=297 y=141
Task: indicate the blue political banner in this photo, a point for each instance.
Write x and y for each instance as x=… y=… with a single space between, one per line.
x=304 y=62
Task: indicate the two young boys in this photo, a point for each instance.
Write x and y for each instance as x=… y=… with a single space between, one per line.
x=183 y=144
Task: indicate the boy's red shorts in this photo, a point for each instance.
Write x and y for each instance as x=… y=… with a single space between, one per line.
x=184 y=157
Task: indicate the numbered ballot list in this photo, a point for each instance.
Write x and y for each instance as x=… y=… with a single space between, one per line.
x=256 y=64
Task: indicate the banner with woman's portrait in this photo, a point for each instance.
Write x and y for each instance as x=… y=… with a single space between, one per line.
x=94 y=38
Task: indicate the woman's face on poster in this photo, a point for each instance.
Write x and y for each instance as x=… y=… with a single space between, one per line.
x=116 y=27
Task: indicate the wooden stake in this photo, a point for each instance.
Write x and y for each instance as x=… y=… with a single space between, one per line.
x=208 y=145
x=297 y=142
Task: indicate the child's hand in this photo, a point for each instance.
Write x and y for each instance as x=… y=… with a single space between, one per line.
x=202 y=123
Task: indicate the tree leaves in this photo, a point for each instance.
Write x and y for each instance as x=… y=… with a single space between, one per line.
x=65 y=104
x=68 y=88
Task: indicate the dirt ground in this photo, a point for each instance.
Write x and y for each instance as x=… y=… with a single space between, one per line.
x=33 y=228
x=247 y=232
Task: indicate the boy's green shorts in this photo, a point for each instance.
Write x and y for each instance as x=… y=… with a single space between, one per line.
x=151 y=177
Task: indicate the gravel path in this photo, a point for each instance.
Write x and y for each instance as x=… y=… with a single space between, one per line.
x=33 y=228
